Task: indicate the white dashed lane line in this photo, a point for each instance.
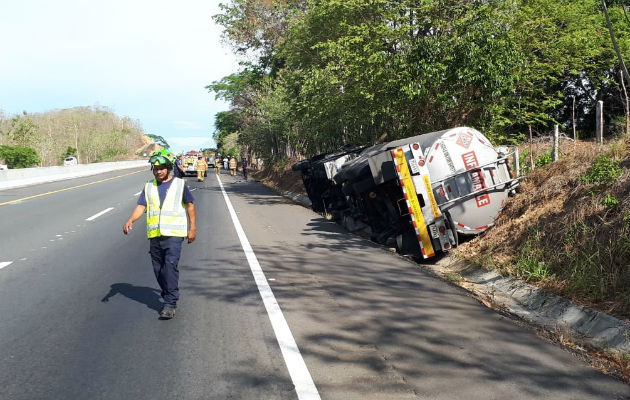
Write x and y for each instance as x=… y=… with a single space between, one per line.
x=5 y=264
x=93 y=217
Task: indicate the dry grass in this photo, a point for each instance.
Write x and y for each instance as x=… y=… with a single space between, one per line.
x=558 y=234
x=283 y=178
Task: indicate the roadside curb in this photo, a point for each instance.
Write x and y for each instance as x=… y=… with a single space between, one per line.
x=554 y=314
x=22 y=177
x=297 y=198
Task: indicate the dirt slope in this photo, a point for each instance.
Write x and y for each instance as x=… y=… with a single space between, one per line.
x=564 y=234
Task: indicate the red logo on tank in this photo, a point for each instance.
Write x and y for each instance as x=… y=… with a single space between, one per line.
x=476 y=177
x=464 y=139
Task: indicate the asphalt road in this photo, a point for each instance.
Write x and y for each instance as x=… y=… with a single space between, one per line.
x=79 y=309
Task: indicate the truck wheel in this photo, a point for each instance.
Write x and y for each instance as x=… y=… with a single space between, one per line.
x=451 y=226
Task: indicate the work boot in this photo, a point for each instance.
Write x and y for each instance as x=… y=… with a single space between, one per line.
x=167 y=312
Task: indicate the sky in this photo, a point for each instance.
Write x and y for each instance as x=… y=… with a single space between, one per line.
x=146 y=60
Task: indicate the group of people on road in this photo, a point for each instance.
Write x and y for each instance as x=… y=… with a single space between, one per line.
x=171 y=218
x=201 y=166
x=230 y=164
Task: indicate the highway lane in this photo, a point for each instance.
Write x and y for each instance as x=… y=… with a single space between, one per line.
x=56 y=211
x=372 y=325
x=79 y=317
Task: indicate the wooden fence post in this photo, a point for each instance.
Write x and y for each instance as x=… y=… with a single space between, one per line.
x=531 y=150
x=556 y=134
x=599 y=122
x=573 y=120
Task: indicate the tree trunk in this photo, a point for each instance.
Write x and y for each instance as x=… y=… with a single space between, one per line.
x=625 y=93
x=614 y=42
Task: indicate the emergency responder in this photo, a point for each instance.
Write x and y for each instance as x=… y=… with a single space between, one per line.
x=171 y=217
x=201 y=166
x=233 y=166
x=217 y=165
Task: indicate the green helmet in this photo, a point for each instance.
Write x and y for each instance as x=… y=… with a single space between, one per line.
x=162 y=157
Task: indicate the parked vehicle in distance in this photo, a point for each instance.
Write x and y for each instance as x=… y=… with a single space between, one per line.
x=70 y=161
x=188 y=162
x=3 y=167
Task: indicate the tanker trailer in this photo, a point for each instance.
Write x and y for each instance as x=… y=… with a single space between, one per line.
x=317 y=177
x=419 y=193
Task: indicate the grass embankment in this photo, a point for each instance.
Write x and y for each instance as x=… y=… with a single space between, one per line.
x=568 y=229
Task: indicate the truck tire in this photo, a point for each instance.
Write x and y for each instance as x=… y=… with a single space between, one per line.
x=451 y=226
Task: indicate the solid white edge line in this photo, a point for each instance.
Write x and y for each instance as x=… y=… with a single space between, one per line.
x=302 y=380
x=5 y=264
x=93 y=217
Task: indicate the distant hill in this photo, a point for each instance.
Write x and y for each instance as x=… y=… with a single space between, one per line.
x=148 y=147
x=93 y=134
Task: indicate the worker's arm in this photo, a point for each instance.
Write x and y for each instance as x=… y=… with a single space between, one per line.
x=135 y=214
x=192 y=222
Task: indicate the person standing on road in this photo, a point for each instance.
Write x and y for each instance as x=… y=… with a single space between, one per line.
x=217 y=165
x=225 y=163
x=171 y=217
x=201 y=166
x=245 y=168
x=178 y=171
x=233 y=166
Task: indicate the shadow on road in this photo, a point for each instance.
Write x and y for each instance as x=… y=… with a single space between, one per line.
x=142 y=294
x=381 y=326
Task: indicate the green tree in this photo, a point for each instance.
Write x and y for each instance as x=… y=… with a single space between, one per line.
x=22 y=130
x=330 y=72
x=159 y=140
x=70 y=151
x=18 y=156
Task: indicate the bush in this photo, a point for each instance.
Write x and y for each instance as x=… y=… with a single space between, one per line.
x=531 y=264
x=604 y=171
x=610 y=202
x=19 y=157
x=544 y=159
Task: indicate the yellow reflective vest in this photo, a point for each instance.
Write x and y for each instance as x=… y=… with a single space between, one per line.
x=170 y=219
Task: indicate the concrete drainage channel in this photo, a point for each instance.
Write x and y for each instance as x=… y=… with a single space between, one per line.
x=585 y=327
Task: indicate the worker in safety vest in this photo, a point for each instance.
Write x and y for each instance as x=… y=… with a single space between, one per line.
x=171 y=217
x=201 y=166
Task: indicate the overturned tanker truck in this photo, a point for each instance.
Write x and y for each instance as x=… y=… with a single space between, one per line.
x=417 y=194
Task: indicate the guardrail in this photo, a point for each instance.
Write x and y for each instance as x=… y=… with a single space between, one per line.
x=12 y=178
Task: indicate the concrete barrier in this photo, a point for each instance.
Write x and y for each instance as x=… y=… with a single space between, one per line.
x=12 y=178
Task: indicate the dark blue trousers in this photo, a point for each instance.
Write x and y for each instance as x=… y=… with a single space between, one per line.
x=165 y=252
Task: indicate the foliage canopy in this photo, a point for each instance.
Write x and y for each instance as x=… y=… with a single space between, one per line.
x=330 y=72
